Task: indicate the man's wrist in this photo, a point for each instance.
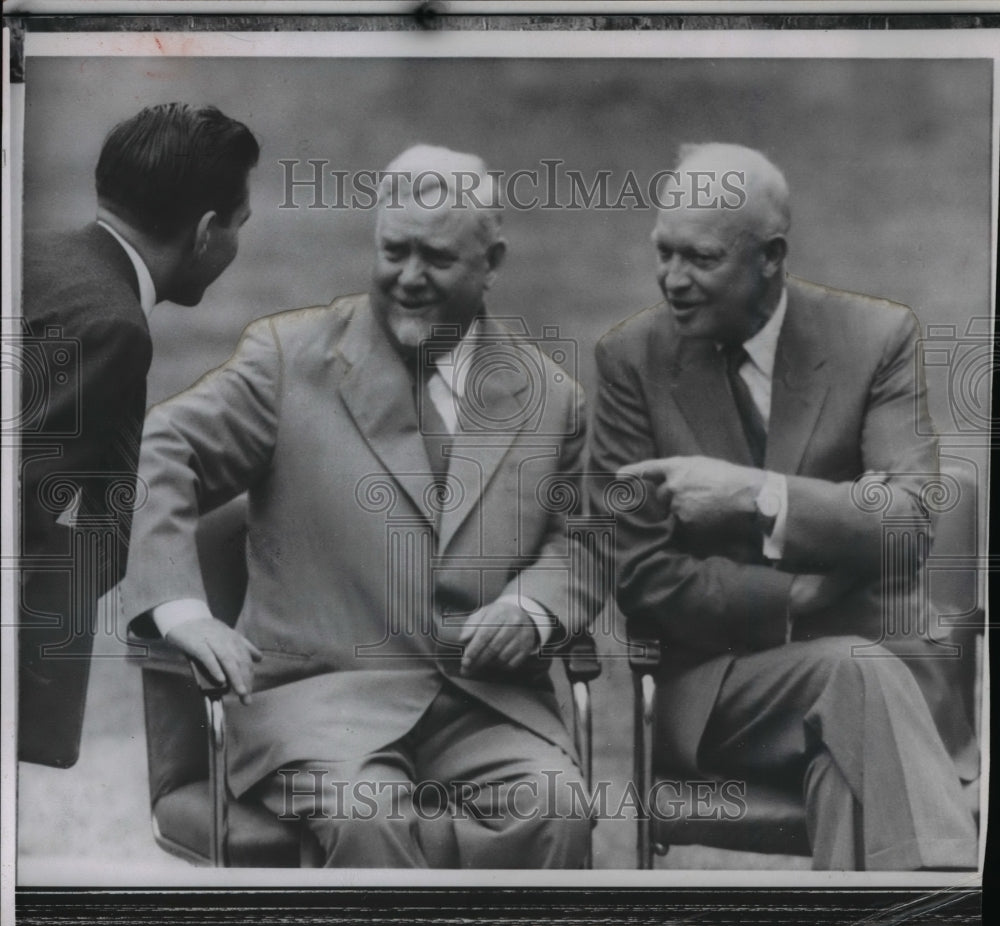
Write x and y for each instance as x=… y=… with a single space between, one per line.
x=756 y=481
x=767 y=505
x=171 y=614
x=771 y=514
x=540 y=617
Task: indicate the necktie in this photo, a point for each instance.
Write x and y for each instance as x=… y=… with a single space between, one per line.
x=433 y=429
x=750 y=417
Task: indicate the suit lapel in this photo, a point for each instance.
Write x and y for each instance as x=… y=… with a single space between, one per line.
x=491 y=417
x=799 y=386
x=700 y=389
x=378 y=393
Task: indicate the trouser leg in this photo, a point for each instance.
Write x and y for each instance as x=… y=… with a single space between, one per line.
x=864 y=719
x=360 y=810
x=465 y=787
x=833 y=816
x=518 y=801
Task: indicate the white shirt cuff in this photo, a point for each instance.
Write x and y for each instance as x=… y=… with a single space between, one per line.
x=535 y=611
x=172 y=614
x=774 y=543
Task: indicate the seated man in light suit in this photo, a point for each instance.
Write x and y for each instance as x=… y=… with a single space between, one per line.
x=372 y=673
x=768 y=415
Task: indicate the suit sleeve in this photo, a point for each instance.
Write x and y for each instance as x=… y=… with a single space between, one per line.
x=570 y=595
x=838 y=526
x=709 y=604
x=200 y=449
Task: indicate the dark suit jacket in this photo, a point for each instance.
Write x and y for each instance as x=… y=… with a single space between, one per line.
x=86 y=354
x=314 y=416
x=848 y=398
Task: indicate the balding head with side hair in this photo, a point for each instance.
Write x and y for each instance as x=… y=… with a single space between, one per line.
x=721 y=241
x=764 y=204
x=437 y=177
x=437 y=245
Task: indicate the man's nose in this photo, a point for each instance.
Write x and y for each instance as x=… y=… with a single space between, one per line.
x=412 y=273
x=675 y=275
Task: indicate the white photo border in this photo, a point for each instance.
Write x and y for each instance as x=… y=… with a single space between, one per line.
x=847 y=41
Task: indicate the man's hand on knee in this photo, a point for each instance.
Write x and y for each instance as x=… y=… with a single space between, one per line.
x=501 y=635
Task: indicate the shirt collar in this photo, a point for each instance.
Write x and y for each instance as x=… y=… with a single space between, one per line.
x=763 y=346
x=147 y=289
x=455 y=375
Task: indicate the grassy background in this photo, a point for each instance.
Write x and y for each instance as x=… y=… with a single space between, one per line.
x=889 y=166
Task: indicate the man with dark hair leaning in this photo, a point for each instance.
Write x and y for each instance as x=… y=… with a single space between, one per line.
x=764 y=412
x=172 y=194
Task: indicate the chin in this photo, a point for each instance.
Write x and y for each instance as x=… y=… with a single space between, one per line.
x=409 y=332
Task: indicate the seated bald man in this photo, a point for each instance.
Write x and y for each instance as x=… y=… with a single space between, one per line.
x=765 y=413
x=403 y=576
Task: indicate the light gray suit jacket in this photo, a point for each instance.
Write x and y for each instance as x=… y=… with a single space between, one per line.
x=314 y=417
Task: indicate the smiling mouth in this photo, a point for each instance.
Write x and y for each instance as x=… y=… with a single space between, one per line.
x=414 y=305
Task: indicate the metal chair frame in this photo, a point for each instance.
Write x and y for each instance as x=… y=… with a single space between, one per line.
x=152 y=654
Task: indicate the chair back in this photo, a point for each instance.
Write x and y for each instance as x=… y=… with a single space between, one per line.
x=955 y=573
x=176 y=736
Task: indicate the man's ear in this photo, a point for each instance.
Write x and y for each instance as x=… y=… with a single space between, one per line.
x=775 y=251
x=203 y=233
x=495 y=255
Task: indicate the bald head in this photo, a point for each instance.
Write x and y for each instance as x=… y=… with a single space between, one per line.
x=742 y=179
x=720 y=241
x=434 y=177
x=428 y=158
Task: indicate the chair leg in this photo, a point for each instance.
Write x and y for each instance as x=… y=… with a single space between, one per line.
x=217 y=781
x=583 y=738
x=645 y=699
x=977 y=687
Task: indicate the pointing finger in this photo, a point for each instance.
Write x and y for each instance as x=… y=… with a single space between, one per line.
x=644 y=469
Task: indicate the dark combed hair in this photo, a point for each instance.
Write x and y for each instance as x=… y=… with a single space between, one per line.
x=170 y=164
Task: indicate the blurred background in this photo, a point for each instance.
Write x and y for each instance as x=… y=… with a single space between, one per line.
x=889 y=165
